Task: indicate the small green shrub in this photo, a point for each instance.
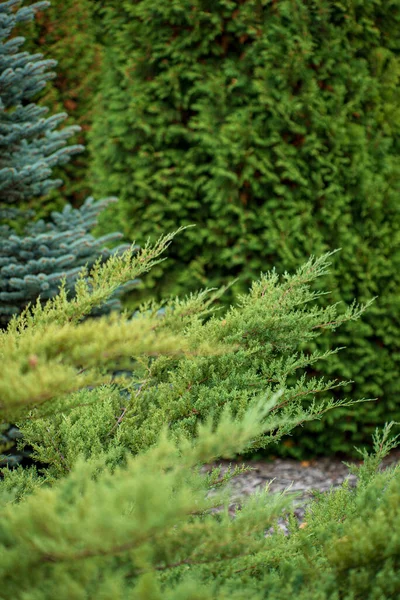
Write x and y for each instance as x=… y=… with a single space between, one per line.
x=120 y=510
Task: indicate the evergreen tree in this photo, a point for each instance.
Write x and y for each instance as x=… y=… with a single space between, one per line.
x=275 y=127
x=30 y=144
x=36 y=256
x=35 y=262
x=66 y=32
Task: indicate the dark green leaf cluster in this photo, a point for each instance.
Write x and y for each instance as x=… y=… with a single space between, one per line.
x=275 y=128
x=121 y=507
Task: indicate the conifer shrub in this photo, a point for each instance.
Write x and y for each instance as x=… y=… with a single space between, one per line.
x=121 y=508
x=274 y=126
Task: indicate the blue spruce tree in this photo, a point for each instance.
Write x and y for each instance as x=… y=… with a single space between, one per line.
x=30 y=144
x=36 y=256
x=33 y=264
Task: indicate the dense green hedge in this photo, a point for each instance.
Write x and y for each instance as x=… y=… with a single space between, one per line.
x=274 y=127
x=65 y=31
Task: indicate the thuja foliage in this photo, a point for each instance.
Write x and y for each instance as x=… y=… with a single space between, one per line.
x=274 y=126
x=65 y=31
x=123 y=511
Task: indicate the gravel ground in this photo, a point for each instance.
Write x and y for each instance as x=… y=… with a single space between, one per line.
x=301 y=476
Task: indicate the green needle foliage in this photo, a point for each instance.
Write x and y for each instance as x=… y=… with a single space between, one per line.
x=265 y=334
x=275 y=127
x=31 y=144
x=42 y=348
x=121 y=507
